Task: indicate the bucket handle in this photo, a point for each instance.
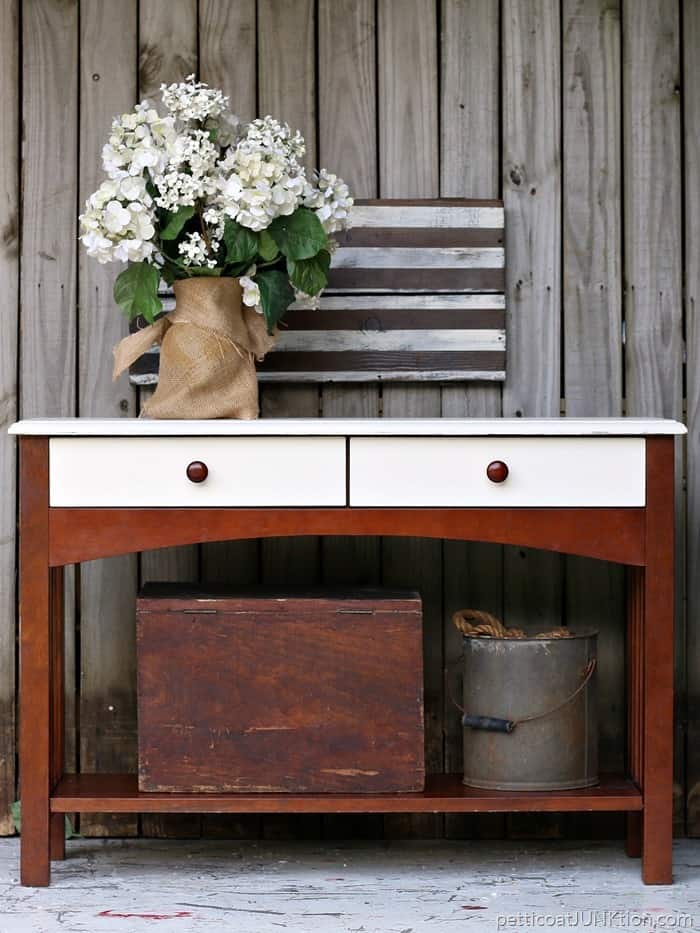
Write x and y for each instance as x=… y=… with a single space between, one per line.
x=496 y=724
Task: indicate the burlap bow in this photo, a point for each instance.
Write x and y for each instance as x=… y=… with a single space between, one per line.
x=208 y=348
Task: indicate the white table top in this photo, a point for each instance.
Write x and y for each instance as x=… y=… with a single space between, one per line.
x=459 y=427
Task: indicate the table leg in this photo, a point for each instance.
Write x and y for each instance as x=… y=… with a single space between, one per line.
x=635 y=615
x=35 y=662
x=657 y=660
x=57 y=825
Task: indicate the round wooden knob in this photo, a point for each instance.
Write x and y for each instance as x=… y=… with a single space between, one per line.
x=197 y=471
x=497 y=471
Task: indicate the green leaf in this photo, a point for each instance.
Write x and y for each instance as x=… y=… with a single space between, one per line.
x=175 y=221
x=241 y=243
x=267 y=246
x=310 y=275
x=299 y=236
x=276 y=295
x=136 y=291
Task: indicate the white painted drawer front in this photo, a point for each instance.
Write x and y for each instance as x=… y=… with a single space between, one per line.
x=451 y=471
x=243 y=471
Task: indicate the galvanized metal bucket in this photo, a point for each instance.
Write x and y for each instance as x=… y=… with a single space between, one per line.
x=530 y=717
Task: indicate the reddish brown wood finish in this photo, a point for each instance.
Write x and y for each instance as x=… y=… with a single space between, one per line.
x=635 y=709
x=197 y=471
x=86 y=534
x=444 y=793
x=58 y=835
x=35 y=662
x=497 y=471
x=657 y=662
x=299 y=693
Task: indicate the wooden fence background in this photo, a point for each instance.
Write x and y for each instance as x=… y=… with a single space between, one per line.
x=572 y=110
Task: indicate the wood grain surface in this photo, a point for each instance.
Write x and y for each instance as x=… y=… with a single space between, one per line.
x=250 y=719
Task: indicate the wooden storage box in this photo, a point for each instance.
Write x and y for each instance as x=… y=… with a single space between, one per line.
x=304 y=691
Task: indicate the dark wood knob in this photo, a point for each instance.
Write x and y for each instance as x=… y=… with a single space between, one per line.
x=197 y=471
x=497 y=471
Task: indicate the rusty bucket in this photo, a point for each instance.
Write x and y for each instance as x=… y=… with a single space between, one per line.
x=529 y=713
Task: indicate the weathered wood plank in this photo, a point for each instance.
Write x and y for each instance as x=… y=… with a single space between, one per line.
x=691 y=60
x=408 y=123
x=469 y=167
x=167 y=52
x=167 y=44
x=227 y=52
x=592 y=290
x=48 y=321
x=436 y=260
x=107 y=588
x=653 y=251
x=347 y=92
x=9 y=275
x=532 y=197
x=347 y=127
x=432 y=213
x=287 y=66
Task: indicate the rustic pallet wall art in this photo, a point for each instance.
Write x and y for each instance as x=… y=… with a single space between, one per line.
x=416 y=292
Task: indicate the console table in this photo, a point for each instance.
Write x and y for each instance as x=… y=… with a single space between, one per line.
x=600 y=488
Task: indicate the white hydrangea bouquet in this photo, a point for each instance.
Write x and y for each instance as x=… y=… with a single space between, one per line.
x=224 y=212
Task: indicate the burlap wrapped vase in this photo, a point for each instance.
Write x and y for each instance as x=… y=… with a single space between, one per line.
x=208 y=348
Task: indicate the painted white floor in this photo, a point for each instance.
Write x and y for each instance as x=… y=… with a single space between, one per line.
x=363 y=887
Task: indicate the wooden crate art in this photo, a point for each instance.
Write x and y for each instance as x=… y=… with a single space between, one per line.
x=279 y=692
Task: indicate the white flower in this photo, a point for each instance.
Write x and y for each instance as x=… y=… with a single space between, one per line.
x=195 y=252
x=118 y=223
x=330 y=199
x=190 y=171
x=116 y=217
x=251 y=293
x=193 y=100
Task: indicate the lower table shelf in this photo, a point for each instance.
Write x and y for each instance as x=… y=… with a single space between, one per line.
x=444 y=793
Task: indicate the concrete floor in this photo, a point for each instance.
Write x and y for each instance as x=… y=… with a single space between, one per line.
x=363 y=887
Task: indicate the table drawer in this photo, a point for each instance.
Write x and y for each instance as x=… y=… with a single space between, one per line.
x=542 y=471
x=242 y=471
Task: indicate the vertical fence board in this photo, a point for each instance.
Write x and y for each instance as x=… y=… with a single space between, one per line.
x=167 y=52
x=227 y=52
x=532 y=197
x=409 y=167
x=691 y=59
x=9 y=275
x=107 y=588
x=592 y=290
x=653 y=249
x=287 y=91
x=469 y=167
x=48 y=244
x=287 y=66
x=348 y=146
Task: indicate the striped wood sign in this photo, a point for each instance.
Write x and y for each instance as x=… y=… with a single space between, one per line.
x=416 y=292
